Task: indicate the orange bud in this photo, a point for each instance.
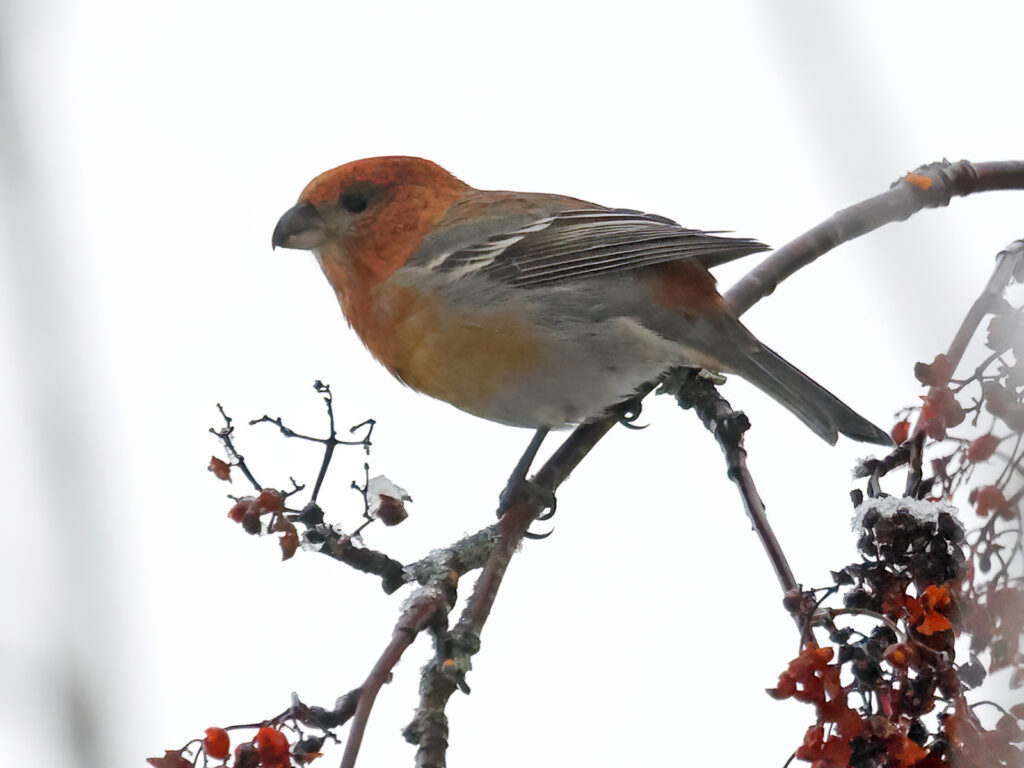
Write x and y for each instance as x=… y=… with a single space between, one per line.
x=919 y=181
x=933 y=600
x=900 y=655
x=906 y=751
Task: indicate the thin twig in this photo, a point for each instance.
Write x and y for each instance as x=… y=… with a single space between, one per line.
x=697 y=392
x=915 y=468
x=1006 y=262
x=330 y=442
x=339 y=546
x=896 y=458
x=229 y=446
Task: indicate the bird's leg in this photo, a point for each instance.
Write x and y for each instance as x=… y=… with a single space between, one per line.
x=517 y=482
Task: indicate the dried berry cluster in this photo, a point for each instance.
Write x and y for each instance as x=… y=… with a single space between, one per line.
x=895 y=695
x=267 y=511
x=276 y=743
x=873 y=691
x=295 y=737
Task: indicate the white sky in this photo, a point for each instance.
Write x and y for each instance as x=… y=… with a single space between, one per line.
x=138 y=288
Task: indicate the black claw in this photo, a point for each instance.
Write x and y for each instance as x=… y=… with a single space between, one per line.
x=552 y=508
x=543 y=495
x=537 y=536
x=632 y=410
x=628 y=419
x=531 y=490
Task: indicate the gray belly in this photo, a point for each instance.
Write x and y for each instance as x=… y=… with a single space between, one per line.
x=586 y=369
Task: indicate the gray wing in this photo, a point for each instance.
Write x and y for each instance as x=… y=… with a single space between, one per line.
x=586 y=242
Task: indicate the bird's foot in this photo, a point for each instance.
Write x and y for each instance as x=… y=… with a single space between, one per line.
x=532 y=492
x=523 y=488
x=631 y=410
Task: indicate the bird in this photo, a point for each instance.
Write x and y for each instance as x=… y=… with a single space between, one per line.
x=529 y=309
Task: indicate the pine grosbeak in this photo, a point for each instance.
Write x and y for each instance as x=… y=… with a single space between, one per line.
x=530 y=309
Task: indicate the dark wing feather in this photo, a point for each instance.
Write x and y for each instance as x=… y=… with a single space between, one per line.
x=582 y=243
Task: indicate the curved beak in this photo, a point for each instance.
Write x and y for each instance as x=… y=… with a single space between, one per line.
x=301 y=227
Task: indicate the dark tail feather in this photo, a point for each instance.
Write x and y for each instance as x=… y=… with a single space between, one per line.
x=814 y=405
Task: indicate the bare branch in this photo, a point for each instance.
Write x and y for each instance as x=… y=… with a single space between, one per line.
x=698 y=392
x=930 y=186
x=422 y=608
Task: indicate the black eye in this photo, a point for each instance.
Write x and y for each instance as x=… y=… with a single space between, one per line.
x=354 y=202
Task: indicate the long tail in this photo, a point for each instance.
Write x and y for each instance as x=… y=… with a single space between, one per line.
x=815 y=406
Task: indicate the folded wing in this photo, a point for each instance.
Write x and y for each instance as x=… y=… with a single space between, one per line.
x=581 y=243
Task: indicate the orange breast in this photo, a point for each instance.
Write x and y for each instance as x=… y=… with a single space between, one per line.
x=445 y=353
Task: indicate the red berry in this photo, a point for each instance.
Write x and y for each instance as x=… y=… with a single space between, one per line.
x=271 y=744
x=391 y=511
x=270 y=500
x=237 y=512
x=217 y=743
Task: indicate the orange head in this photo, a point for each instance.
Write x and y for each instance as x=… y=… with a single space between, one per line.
x=369 y=216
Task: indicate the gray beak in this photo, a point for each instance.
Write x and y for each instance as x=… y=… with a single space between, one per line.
x=301 y=227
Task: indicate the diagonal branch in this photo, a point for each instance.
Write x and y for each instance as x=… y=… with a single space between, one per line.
x=421 y=610
x=930 y=186
x=727 y=426
x=518 y=512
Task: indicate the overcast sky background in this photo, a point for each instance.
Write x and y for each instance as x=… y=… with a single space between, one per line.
x=147 y=153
